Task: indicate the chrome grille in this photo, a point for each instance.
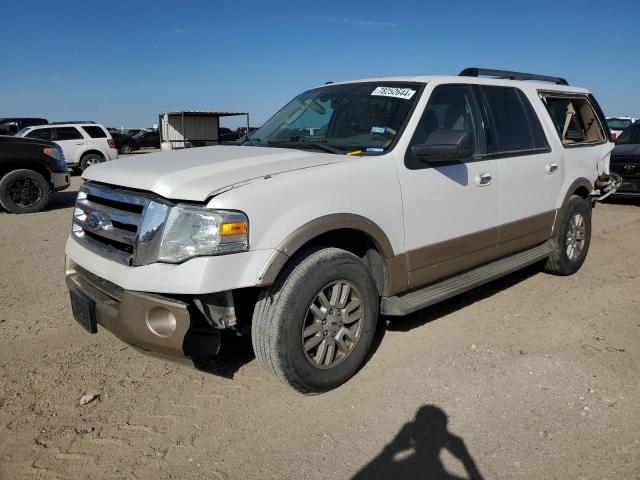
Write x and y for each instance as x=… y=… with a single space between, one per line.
x=119 y=224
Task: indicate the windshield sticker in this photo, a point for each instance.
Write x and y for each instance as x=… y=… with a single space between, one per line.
x=378 y=130
x=404 y=93
x=375 y=149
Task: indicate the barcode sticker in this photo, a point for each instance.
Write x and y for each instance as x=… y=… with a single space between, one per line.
x=404 y=93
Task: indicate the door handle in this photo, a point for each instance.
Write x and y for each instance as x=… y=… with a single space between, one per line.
x=551 y=167
x=79 y=143
x=483 y=179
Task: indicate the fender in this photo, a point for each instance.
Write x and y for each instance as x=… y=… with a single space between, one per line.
x=307 y=232
x=578 y=183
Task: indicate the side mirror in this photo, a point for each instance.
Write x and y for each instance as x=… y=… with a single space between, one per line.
x=444 y=146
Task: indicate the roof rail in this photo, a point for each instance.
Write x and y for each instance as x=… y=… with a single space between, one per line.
x=476 y=72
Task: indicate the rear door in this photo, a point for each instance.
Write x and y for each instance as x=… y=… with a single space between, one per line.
x=71 y=141
x=450 y=209
x=531 y=174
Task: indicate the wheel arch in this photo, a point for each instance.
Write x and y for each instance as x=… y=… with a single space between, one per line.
x=350 y=232
x=92 y=151
x=581 y=187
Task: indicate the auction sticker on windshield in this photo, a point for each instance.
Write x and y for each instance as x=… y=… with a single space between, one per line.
x=405 y=93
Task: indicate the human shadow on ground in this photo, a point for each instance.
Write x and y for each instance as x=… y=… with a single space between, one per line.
x=414 y=453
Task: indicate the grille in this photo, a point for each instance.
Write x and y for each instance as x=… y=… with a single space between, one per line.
x=626 y=166
x=122 y=225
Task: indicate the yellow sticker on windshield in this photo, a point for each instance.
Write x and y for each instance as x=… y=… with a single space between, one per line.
x=355 y=152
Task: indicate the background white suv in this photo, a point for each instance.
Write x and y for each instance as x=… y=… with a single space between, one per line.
x=83 y=144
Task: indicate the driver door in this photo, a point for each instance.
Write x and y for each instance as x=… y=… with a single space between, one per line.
x=451 y=209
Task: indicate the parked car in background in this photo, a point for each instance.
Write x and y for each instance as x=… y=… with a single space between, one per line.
x=421 y=188
x=148 y=139
x=625 y=160
x=226 y=134
x=242 y=131
x=124 y=143
x=133 y=131
x=83 y=144
x=30 y=171
x=618 y=124
x=11 y=126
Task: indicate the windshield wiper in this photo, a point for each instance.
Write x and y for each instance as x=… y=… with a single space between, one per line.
x=311 y=143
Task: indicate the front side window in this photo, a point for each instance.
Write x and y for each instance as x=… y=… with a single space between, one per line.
x=574 y=117
x=631 y=136
x=67 y=133
x=362 y=117
x=450 y=107
x=515 y=125
x=40 y=134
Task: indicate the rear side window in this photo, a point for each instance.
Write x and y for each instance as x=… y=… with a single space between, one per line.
x=67 y=133
x=516 y=126
x=95 y=132
x=40 y=133
x=575 y=119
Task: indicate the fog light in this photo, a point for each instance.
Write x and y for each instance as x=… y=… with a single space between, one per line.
x=161 y=322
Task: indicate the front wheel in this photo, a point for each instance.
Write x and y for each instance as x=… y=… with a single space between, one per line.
x=125 y=149
x=314 y=326
x=24 y=191
x=571 y=239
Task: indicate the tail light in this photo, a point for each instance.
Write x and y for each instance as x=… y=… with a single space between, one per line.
x=111 y=142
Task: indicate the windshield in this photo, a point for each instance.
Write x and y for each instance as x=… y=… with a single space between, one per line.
x=630 y=136
x=618 y=123
x=352 y=118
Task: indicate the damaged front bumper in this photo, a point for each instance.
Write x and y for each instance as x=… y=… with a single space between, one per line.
x=154 y=324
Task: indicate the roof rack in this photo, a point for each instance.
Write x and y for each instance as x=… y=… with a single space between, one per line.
x=476 y=72
x=72 y=122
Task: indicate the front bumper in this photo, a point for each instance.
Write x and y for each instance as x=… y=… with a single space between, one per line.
x=60 y=181
x=151 y=323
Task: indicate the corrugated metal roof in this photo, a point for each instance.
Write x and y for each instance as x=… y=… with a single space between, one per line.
x=207 y=114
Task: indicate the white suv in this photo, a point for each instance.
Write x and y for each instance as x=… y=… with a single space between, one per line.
x=383 y=195
x=83 y=144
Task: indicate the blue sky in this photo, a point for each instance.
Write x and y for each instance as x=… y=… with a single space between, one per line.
x=123 y=62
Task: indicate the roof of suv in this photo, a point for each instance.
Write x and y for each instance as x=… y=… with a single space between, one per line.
x=525 y=84
x=54 y=125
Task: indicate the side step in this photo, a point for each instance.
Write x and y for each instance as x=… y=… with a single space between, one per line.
x=409 y=302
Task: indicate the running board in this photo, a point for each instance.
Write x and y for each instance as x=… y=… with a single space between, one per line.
x=414 y=300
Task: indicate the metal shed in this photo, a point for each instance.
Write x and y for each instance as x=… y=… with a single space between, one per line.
x=192 y=128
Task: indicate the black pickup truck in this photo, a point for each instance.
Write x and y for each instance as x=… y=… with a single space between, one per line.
x=30 y=171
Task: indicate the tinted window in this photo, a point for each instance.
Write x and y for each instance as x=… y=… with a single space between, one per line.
x=515 y=124
x=450 y=107
x=618 y=123
x=40 y=133
x=630 y=136
x=67 y=133
x=95 y=132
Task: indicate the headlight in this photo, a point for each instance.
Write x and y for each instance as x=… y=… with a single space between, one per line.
x=192 y=232
x=56 y=152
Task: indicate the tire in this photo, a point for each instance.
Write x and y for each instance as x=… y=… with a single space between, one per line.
x=125 y=149
x=24 y=191
x=284 y=312
x=572 y=238
x=90 y=159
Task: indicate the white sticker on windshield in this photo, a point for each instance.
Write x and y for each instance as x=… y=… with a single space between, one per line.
x=405 y=93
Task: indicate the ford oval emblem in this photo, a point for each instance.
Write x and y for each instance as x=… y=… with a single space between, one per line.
x=94 y=221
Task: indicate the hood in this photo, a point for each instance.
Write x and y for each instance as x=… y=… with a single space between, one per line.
x=198 y=173
x=626 y=150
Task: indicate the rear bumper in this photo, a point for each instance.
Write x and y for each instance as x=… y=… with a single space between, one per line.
x=151 y=323
x=60 y=181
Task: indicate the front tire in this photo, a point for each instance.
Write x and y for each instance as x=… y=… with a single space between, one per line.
x=125 y=149
x=571 y=239
x=314 y=326
x=24 y=191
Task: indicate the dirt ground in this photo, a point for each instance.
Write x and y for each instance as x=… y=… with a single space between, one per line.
x=531 y=376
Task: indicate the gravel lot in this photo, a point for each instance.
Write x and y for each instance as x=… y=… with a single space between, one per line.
x=537 y=377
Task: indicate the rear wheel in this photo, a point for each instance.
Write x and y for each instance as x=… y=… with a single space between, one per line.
x=24 y=191
x=572 y=238
x=90 y=159
x=314 y=326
